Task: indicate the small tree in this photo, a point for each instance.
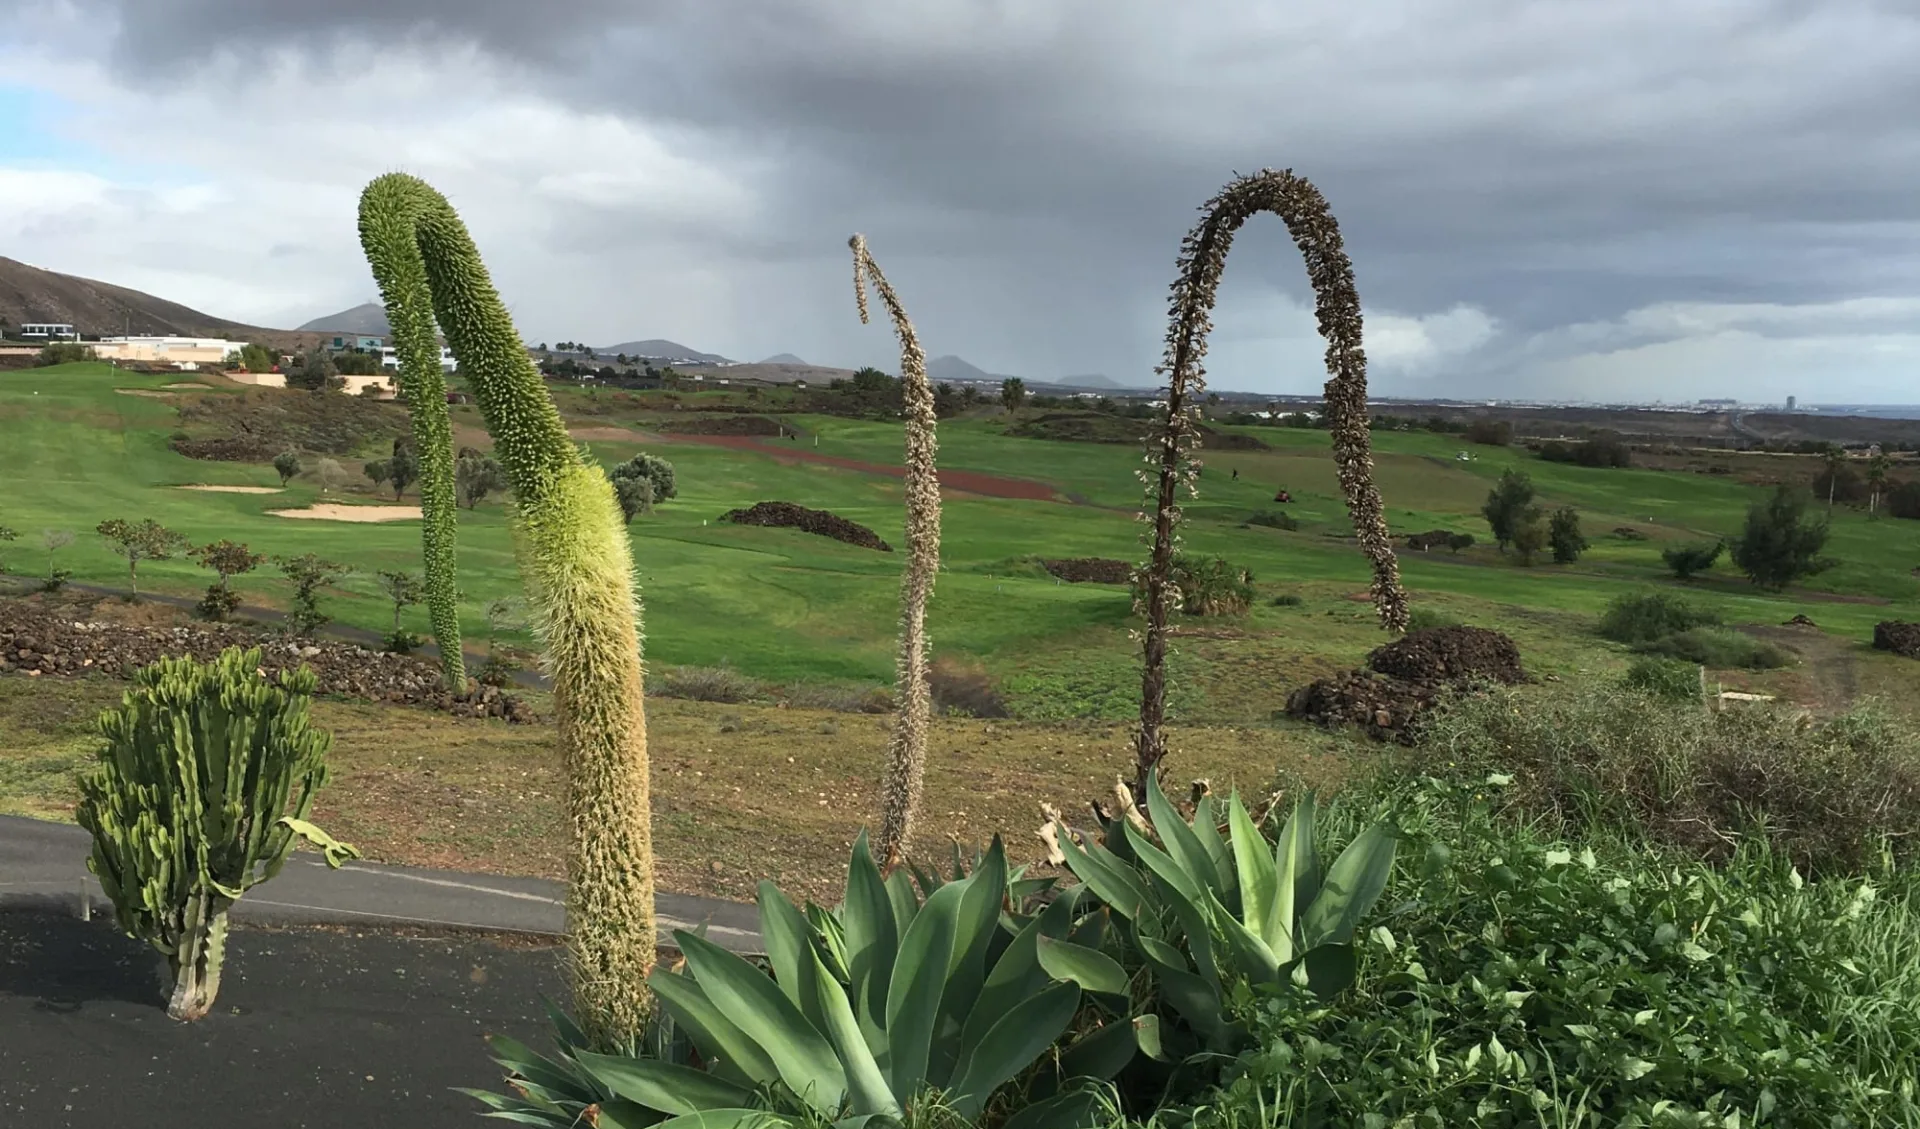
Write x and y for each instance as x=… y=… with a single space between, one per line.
x=654 y=470
x=1459 y=541
x=1780 y=544
x=377 y=471
x=498 y=671
x=65 y=353
x=316 y=372
x=1490 y=432
x=55 y=540
x=403 y=468
x=1530 y=537
x=635 y=496
x=146 y=541
x=1509 y=505
x=228 y=559
x=1877 y=467
x=1013 y=393
x=1835 y=458
x=1564 y=535
x=1686 y=560
x=476 y=475
x=309 y=574
x=405 y=589
x=254 y=358
x=331 y=474
x=6 y=534
x=287 y=465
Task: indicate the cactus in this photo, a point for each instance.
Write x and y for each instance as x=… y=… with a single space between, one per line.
x=205 y=775
x=907 y=751
x=577 y=564
x=1203 y=256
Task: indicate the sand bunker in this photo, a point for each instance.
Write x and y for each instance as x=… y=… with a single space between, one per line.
x=233 y=489
x=613 y=434
x=150 y=393
x=193 y=384
x=333 y=511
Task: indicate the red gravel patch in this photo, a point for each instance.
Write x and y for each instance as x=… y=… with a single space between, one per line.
x=960 y=481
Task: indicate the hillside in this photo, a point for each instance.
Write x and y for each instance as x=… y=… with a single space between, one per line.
x=655 y=348
x=33 y=294
x=368 y=318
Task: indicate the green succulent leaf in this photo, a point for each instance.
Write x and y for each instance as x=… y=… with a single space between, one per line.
x=1112 y=881
x=788 y=938
x=1206 y=829
x=710 y=1029
x=867 y=1087
x=1012 y=1045
x=1183 y=846
x=664 y=1086
x=724 y=1119
x=1076 y=1110
x=872 y=936
x=1102 y=1053
x=1331 y=968
x=919 y=981
x=1164 y=866
x=1353 y=883
x=1091 y=969
x=803 y=1056
x=1254 y=865
x=1297 y=878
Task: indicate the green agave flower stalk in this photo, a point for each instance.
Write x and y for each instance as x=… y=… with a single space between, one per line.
x=423 y=383
x=1203 y=256
x=577 y=564
x=907 y=751
x=204 y=775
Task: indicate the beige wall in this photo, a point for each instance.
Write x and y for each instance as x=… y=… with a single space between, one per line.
x=153 y=352
x=384 y=382
x=263 y=379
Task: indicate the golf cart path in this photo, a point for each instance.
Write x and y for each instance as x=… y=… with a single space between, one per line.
x=40 y=859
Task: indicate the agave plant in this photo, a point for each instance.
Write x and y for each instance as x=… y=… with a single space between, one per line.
x=1264 y=913
x=860 y=1014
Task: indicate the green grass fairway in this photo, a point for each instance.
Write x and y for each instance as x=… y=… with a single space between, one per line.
x=77 y=447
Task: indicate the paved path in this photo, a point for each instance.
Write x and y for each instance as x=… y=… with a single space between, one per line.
x=40 y=859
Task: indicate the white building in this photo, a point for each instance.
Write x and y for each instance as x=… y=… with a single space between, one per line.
x=184 y=352
x=390 y=359
x=48 y=331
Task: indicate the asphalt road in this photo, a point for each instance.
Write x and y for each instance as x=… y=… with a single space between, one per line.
x=42 y=860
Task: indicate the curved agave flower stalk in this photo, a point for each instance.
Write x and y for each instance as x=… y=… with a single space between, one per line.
x=577 y=564
x=1203 y=256
x=907 y=751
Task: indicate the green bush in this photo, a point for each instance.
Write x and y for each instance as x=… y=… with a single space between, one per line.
x=1653 y=615
x=707 y=684
x=1664 y=678
x=1827 y=792
x=1207 y=586
x=1536 y=982
x=1422 y=618
x=1289 y=600
x=1273 y=519
x=1720 y=649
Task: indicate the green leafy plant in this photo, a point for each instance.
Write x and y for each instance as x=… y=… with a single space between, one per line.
x=286 y=464
x=1273 y=519
x=309 y=573
x=55 y=540
x=405 y=590
x=475 y=476
x=146 y=541
x=1509 y=507
x=1721 y=649
x=1205 y=586
x=1686 y=561
x=1564 y=536
x=1780 y=543
x=1250 y=913
x=204 y=776
x=1665 y=678
x=903 y=999
x=1645 y=617
x=6 y=534
x=228 y=559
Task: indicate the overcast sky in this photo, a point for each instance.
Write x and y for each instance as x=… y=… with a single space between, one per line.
x=1599 y=199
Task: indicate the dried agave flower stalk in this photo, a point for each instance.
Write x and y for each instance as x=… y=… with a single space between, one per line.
x=1203 y=256
x=907 y=750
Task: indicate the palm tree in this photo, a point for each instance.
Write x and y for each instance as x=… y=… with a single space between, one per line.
x=1836 y=457
x=1877 y=466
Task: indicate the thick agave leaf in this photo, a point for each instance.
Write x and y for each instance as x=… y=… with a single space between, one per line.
x=1076 y=1110
x=748 y=997
x=1254 y=864
x=1164 y=866
x=1012 y=1045
x=872 y=936
x=1198 y=1002
x=867 y=1088
x=716 y=1035
x=1102 y=1053
x=663 y=1086
x=788 y=937
x=1297 y=876
x=565 y=1031
x=1254 y=957
x=1177 y=835
x=1353 y=883
x=906 y=903
x=1331 y=969
x=1193 y=918
x=1206 y=828
x=724 y=1119
x=919 y=979
x=1091 y=969
x=621 y=1114
x=560 y=1079
x=1111 y=880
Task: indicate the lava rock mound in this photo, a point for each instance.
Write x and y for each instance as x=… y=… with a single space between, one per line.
x=1451 y=655
x=1385 y=707
x=1897 y=636
x=789 y=515
x=1090 y=570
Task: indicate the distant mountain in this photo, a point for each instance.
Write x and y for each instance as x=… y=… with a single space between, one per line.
x=1090 y=380
x=368 y=318
x=951 y=367
x=783 y=359
x=33 y=294
x=655 y=348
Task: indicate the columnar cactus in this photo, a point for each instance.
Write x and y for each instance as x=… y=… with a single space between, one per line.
x=423 y=383
x=907 y=751
x=577 y=564
x=1203 y=256
x=189 y=804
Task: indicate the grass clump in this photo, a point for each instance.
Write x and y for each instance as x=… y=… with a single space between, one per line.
x=1422 y=618
x=1523 y=979
x=1668 y=679
x=1721 y=649
x=707 y=684
x=1273 y=519
x=1829 y=793
x=1289 y=600
x=1651 y=616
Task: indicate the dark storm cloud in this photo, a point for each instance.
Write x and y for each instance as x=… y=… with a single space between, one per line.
x=1550 y=164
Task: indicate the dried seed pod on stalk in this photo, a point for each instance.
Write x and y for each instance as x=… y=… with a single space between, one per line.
x=907 y=750
x=1203 y=256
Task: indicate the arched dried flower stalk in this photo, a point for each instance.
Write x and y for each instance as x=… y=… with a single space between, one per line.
x=1203 y=256
x=907 y=751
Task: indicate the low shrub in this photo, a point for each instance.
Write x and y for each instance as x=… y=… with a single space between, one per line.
x=1273 y=519
x=965 y=688
x=1664 y=678
x=1720 y=649
x=1289 y=600
x=1522 y=980
x=840 y=697
x=706 y=684
x=1827 y=792
x=1208 y=586
x=1650 y=616
x=1422 y=618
